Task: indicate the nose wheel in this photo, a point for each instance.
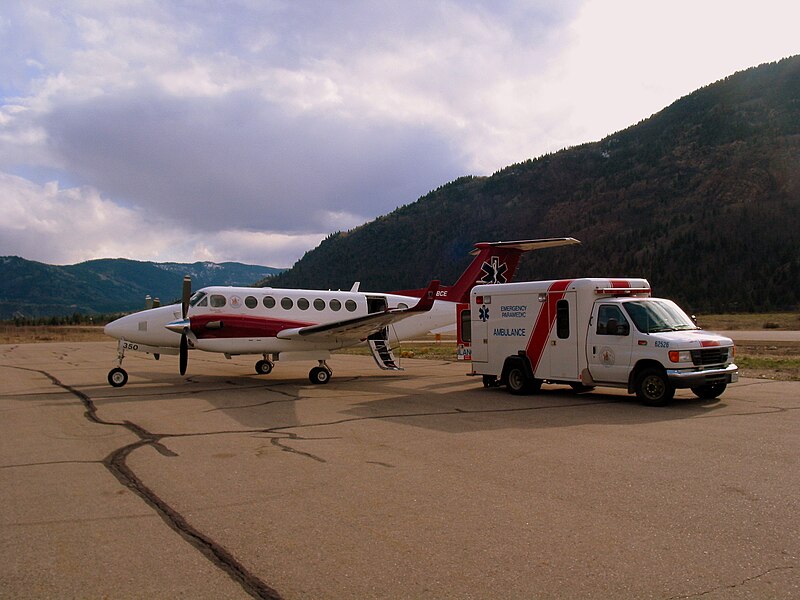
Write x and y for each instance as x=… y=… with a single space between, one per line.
x=117 y=377
x=321 y=374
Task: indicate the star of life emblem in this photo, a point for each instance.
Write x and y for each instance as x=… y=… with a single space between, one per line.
x=494 y=272
x=483 y=313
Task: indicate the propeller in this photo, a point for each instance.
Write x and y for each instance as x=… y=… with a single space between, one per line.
x=187 y=293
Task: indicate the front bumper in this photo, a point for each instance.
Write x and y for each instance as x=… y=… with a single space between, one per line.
x=687 y=378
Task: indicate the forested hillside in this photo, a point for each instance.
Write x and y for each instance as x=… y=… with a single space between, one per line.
x=32 y=289
x=703 y=199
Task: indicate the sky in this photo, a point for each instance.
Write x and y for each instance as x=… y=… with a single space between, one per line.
x=249 y=130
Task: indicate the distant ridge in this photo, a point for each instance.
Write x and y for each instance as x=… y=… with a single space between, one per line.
x=32 y=289
x=702 y=198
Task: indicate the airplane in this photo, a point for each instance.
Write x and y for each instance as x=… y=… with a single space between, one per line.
x=302 y=324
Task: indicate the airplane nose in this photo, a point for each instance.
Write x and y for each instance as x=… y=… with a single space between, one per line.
x=115 y=329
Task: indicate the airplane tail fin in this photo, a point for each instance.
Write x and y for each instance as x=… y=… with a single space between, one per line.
x=494 y=262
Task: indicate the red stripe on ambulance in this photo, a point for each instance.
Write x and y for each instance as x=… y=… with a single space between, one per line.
x=544 y=322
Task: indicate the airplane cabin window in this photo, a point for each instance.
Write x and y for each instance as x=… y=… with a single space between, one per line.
x=196 y=298
x=287 y=303
x=302 y=304
x=250 y=302
x=269 y=302
x=350 y=305
x=335 y=304
x=217 y=301
x=319 y=304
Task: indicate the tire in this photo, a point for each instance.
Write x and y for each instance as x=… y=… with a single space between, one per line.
x=319 y=375
x=518 y=382
x=709 y=391
x=653 y=388
x=117 y=377
x=264 y=367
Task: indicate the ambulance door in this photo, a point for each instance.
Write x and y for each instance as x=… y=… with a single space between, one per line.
x=609 y=343
x=563 y=341
x=479 y=322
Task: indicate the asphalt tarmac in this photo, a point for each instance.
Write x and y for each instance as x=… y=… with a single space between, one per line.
x=419 y=484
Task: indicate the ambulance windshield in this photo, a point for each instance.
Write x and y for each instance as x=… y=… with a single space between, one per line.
x=656 y=315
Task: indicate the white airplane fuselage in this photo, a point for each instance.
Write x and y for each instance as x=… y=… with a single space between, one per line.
x=261 y=313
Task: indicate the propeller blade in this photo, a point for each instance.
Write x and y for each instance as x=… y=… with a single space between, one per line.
x=187 y=293
x=184 y=357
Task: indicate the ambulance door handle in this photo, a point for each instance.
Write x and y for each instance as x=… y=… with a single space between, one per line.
x=554 y=342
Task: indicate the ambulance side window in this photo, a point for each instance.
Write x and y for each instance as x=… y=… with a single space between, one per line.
x=562 y=319
x=466 y=326
x=611 y=321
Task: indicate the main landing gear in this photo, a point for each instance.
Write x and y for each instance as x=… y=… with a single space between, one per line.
x=317 y=375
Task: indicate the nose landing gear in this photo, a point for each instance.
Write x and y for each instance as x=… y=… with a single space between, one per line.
x=118 y=376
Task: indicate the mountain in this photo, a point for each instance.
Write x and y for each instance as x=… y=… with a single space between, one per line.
x=702 y=199
x=33 y=289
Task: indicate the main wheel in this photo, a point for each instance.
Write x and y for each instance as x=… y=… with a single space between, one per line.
x=264 y=367
x=117 y=377
x=319 y=375
x=709 y=391
x=653 y=388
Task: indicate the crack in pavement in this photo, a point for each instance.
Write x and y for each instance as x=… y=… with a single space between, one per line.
x=116 y=464
x=731 y=586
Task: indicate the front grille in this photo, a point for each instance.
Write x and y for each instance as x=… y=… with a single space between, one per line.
x=710 y=356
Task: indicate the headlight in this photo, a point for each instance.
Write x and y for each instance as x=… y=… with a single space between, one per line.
x=679 y=356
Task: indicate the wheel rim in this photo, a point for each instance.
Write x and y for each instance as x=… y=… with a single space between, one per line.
x=515 y=379
x=653 y=387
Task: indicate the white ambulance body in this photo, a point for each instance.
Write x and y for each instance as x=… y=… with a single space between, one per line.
x=589 y=332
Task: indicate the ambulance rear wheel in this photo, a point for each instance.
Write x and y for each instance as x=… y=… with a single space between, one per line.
x=518 y=382
x=653 y=388
x=117 y=377
x=489 y=381
x=709 y=391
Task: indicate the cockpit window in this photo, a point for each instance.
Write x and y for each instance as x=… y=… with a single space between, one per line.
x=196 y=298
x=217 y=301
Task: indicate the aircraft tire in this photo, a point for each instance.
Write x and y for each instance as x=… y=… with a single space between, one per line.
x=264 y=367
x=117 y=377
x=319 y=375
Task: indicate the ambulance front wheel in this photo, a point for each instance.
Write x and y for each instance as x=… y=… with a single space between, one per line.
x=653 y=388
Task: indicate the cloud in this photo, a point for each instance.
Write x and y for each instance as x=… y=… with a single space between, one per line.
x=249 y=131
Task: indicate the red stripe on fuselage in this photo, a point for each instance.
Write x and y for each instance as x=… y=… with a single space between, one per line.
x=240 y=326
x=544 y=322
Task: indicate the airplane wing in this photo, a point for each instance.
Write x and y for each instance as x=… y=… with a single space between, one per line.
x=359 y=328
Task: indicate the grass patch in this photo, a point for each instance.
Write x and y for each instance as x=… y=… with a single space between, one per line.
x=787 y=321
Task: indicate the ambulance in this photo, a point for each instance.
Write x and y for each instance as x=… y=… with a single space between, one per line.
x=591 y=332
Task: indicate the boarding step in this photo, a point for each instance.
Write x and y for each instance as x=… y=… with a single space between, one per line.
x=382 y=354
